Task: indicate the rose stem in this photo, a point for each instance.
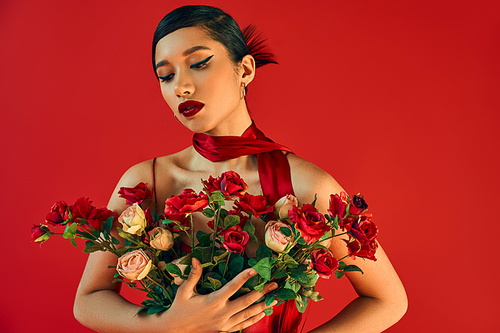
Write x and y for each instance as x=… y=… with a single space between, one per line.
x=227 y=262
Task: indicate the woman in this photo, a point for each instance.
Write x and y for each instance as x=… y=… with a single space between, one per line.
x=204 y=67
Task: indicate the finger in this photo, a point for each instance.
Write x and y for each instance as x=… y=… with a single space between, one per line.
x=249 y=299
x=188 y=287
x=235 y=284
x=249 y=316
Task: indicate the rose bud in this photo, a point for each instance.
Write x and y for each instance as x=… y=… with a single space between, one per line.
x=338 y=203
x=38 y=231
x=275 y=239
x=133 y=220
x=161 y=239
x=358 y=205
x=136 y=194
x=283 y=205
x=134 y=265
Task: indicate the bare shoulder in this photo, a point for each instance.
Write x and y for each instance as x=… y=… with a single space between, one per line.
x=309 y=180
x=146 y=172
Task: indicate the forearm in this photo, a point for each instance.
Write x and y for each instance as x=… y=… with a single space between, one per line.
x=107 y=311
x=365 y=314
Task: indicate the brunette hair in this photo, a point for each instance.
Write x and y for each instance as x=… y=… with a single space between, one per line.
x=221 y=27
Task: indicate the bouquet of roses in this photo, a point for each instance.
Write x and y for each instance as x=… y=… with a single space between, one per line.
x=153 y=259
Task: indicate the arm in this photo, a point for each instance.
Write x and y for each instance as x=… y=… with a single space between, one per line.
x=99 y=306
x=381 y=300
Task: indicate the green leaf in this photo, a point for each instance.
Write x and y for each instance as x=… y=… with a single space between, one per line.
x=155 y=309
x=268 y=311
x=174 y=269
x=93 y=248
x=286 y=294
x=72 y=240
x=200 y=233
x=298 y=275
x=270 y=297
x=280 y=275
x=263 y=251
x=353 y=268
x=84 y=235
x=216 y=284
x=311 y=280
x=314 y=201
x=290 y=262
x=342 y=265
x=109 y=224
x=259 y=287
x=127 y=236
x=217 y=197
x=115 y=240
x=70 y=230
x=301 y=303
x=286 y=231
x=339 y=274
x=231 y=220
x=43 y=238
x=312 y=294
x=263 y=267
x=236 y=265
x=301 y=241
x=208 y=212
x=292 y=286
x=250 y=228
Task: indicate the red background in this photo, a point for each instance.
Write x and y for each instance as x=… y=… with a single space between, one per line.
x=396 y=99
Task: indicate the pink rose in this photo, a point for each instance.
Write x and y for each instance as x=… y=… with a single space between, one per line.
x=274 y=238
x=133 y=220
x=283 y=205
x=186 y=202
x=229 y=183
x=235 y=239
x=58 y=213
x=161 y=239
x=323 y=263
x=309 y=222
x=338 y=203
x=255 y=204
x=136 y=194
x=134 y=265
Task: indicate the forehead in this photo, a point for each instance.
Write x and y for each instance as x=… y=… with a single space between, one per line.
x=177 y=42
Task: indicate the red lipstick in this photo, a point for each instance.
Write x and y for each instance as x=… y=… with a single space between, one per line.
x=190 y=108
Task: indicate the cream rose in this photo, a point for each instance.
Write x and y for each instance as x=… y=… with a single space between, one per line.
x=283 y=205
x=134 y=265
x=161 y=239
x=133 y=220
x=274 y=238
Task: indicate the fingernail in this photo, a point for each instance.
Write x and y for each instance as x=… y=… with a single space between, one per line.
x=194 y=263
x=274 y=303
x=273 y=286
x=262 y=315
x=252 y=272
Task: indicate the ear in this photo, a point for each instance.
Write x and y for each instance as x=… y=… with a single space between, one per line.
x=248 y=66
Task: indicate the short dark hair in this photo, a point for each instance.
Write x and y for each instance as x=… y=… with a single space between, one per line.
x=221 y=27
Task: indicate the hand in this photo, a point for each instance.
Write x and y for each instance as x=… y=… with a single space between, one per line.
x=192 y=312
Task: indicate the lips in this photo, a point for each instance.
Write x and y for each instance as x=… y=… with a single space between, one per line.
x=190 y=108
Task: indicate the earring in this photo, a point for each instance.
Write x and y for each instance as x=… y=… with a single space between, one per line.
x=244 y=90
x=177 y=118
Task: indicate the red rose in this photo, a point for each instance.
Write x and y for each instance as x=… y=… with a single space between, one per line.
x=323 y=263
x=235 y=239
x=255 y=204
x=186 y=202
x=229 y=183
x=338 y=204
x=347 y=222
x=183 y=221
x=364 y=228
x=83 y=209
x=36 y=232
x=58 y=213
x=101 y=215
x=138 y=194
x=309 y=222
x=358 y=205
x=362 y=249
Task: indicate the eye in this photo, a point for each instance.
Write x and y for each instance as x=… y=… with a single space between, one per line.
x=166 y=78
x=201 y=64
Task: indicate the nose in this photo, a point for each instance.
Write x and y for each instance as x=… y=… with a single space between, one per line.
x=183 y=85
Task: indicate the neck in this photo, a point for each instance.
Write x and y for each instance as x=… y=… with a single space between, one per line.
x=239 y=164
x=234 y=125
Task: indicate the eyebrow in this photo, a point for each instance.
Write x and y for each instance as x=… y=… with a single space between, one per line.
x=185 y=54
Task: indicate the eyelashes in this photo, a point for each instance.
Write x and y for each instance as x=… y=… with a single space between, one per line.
x=197 y=65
